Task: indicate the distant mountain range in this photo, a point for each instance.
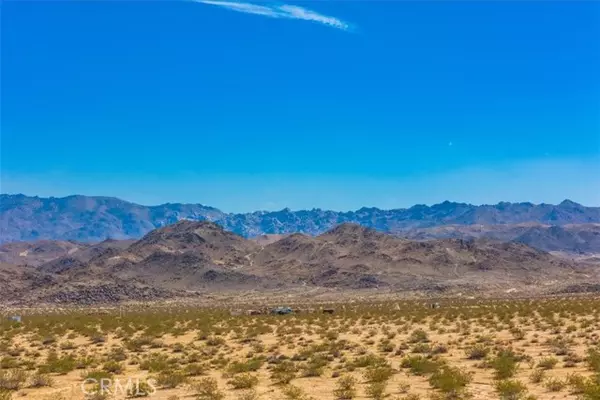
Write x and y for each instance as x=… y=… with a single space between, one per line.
x=567 y=226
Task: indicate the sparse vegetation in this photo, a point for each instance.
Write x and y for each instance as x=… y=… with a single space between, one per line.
x=375 y=351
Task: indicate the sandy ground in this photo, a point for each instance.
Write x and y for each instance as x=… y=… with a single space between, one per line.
x=533 y=329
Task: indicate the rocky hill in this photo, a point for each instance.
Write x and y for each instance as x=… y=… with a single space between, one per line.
x=353 y=256
x=190 y=258
x=569 y=238
x=39 y=252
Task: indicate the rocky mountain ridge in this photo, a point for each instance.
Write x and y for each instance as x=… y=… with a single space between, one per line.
x=94 y=219
x=193 y=258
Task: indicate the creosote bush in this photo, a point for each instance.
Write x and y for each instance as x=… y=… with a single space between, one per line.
x=505 y=365
x=511 y=390
x=450 y=381
x=243 y=381
x=345 y=388
x=208 y=389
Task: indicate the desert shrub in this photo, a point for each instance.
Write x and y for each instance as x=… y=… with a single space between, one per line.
x=345 y=388
x=9 y=362
x=5 y=394
x=208 y=389
x=251 y=365
x=58 y=365
x=243 y=381
x=248 y=395
x=592 y=360
x=419 y=365
x=113 y=367
x=96 y=393
x=590 y=389
x=332 y=335
x=215 y=341
x=12 y=379
x=48 y=340
x=439 y=349
x=284 y=372
x=68 y=345
x=511 y=390
x=518 y=334
x=134 y=345
x=97 y=338
x=559 y=346
x=380 y=373
x=96 y=374
x=477 y=352
x=155 y=363
x=177 y=347
x=376 y=390
x=291 y=392
x=418 y=336
x=547 y=363
x=403 y=387
x=571 y=360
x=554 y=384
x=170 y=379
x=421 y=348
x=450 y=381
x=505 y=365
x=386 y=346
x=537 y=376
x=314 y=366
x=368 y=360
x=194 y=369
x=38 y=380
x=85 y=362
x=576 y=383
x=117 y=354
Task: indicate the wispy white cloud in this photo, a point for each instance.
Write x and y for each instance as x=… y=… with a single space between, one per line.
x=280 y=11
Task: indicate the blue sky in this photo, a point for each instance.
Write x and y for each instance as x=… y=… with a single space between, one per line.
x=336 y=105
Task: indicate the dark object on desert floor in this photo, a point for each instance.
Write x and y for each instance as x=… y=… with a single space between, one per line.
x=282 y=311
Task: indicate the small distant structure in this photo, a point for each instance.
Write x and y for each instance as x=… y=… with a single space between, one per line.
x=254 y=312
x=434 y=305
x=282 y=311
x=328 y=311
x=15 y=318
